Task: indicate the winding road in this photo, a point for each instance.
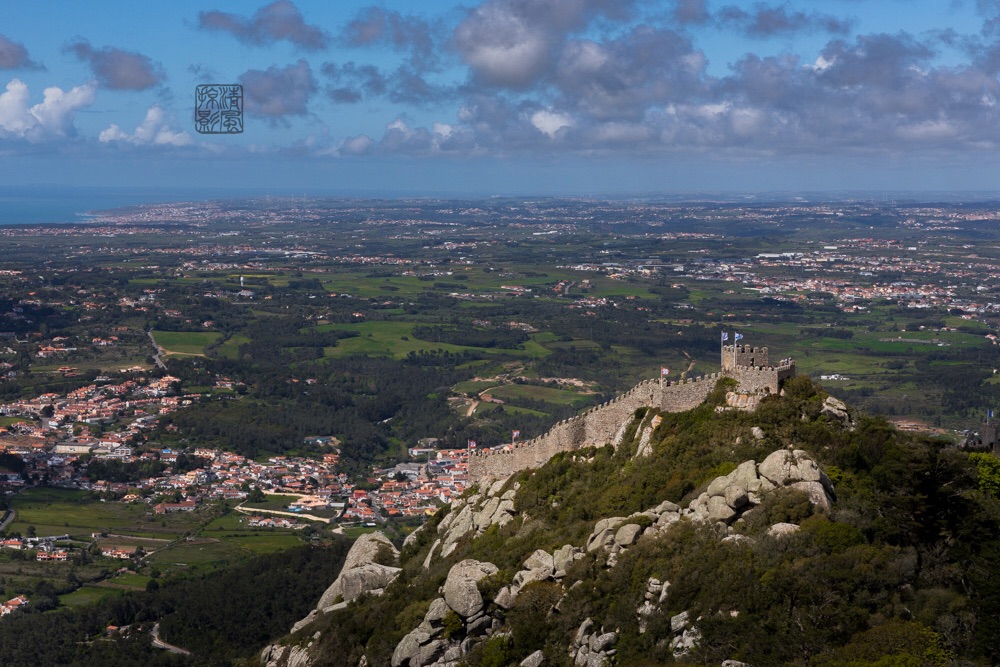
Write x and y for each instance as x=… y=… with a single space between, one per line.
x=159 y=643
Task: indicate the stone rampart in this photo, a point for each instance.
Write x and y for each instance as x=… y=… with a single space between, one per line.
x=762 y=379
x=599 y=425
x=687 y=394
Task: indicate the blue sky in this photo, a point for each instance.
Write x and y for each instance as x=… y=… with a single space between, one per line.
x=506 y=96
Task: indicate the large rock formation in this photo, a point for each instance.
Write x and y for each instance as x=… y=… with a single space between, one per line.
x=361 y=573
x=727 y=498
x=428 y=643
x=474 y=514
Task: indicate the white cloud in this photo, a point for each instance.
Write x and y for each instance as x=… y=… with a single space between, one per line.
x=550 y=122
x=929 y=130
x=357 y=145
x=154 y=130
x=501 y=47
x=49 y=119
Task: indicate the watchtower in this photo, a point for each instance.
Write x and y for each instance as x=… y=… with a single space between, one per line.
x=752 y=369
x=745 y=356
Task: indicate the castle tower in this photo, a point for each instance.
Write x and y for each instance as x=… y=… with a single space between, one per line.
x=734 y=356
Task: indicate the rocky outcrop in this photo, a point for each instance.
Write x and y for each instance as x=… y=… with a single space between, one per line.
x=592 y=648
x=461 y=590
x=286 y=656
x=359 y=574
x=836 y=410
x=727 y=498
x=685 y=635
x=428 y=644
x=656 y=593
x=473 y=514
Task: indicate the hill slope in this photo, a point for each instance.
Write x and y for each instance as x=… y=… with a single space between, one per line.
x=795 y=534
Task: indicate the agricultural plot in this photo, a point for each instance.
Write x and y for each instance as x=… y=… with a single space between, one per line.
x=65 y=511
x=536 y=393
x=185 y=342
x=86 y=595
x=272 y=501
x=230 y=349
x=396 y=339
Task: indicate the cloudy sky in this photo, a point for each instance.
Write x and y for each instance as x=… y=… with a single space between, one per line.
x=506 y=96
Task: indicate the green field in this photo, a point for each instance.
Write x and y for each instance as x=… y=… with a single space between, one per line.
x=546 y=394
x=395 y=339
x=514 y=410
x=197 y=552
x=272 y=501
x=264 y=541
x=473 y=385
x=58 y=511
x=231 y=348
x=88 y=595
x=355 y=532
x=126 y=581
x=185 y=342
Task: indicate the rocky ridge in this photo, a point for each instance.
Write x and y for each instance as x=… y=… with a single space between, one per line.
x=726 y=500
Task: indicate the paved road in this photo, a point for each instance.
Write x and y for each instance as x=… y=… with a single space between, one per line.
x=7 y=519
x=159 y=352
x=159 y=643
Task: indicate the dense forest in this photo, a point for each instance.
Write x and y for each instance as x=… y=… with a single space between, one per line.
x=222 y=617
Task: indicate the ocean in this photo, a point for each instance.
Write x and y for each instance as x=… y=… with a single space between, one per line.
x=34 y=205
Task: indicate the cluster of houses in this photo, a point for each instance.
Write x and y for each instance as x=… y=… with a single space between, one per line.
x=12 y=605
x=274 y=522
x=65 y=420
x=56 y=433
x=46 y=549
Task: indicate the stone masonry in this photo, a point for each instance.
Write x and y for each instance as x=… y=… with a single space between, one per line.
x=601 y=425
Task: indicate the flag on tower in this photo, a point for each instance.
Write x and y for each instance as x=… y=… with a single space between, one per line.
x=515 y=435
x=737 y=337
x=664 y=371
x=725 y=336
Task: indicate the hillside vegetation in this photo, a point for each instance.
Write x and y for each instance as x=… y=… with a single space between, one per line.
x=897 y=572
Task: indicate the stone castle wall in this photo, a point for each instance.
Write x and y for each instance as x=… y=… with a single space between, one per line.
x=601 y=424
x=744 y=356
x=762 y=380
x=687 y=394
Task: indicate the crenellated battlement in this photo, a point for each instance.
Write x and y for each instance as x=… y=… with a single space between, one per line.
x=605 y=423
x=734 y=356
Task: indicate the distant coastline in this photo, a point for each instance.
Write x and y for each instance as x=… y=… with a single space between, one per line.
x=62 y=205
x=67 y=205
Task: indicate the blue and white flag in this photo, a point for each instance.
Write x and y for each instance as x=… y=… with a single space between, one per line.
x=990 y=413
x=725 y=336
x=738 y=336
x=515 y=435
